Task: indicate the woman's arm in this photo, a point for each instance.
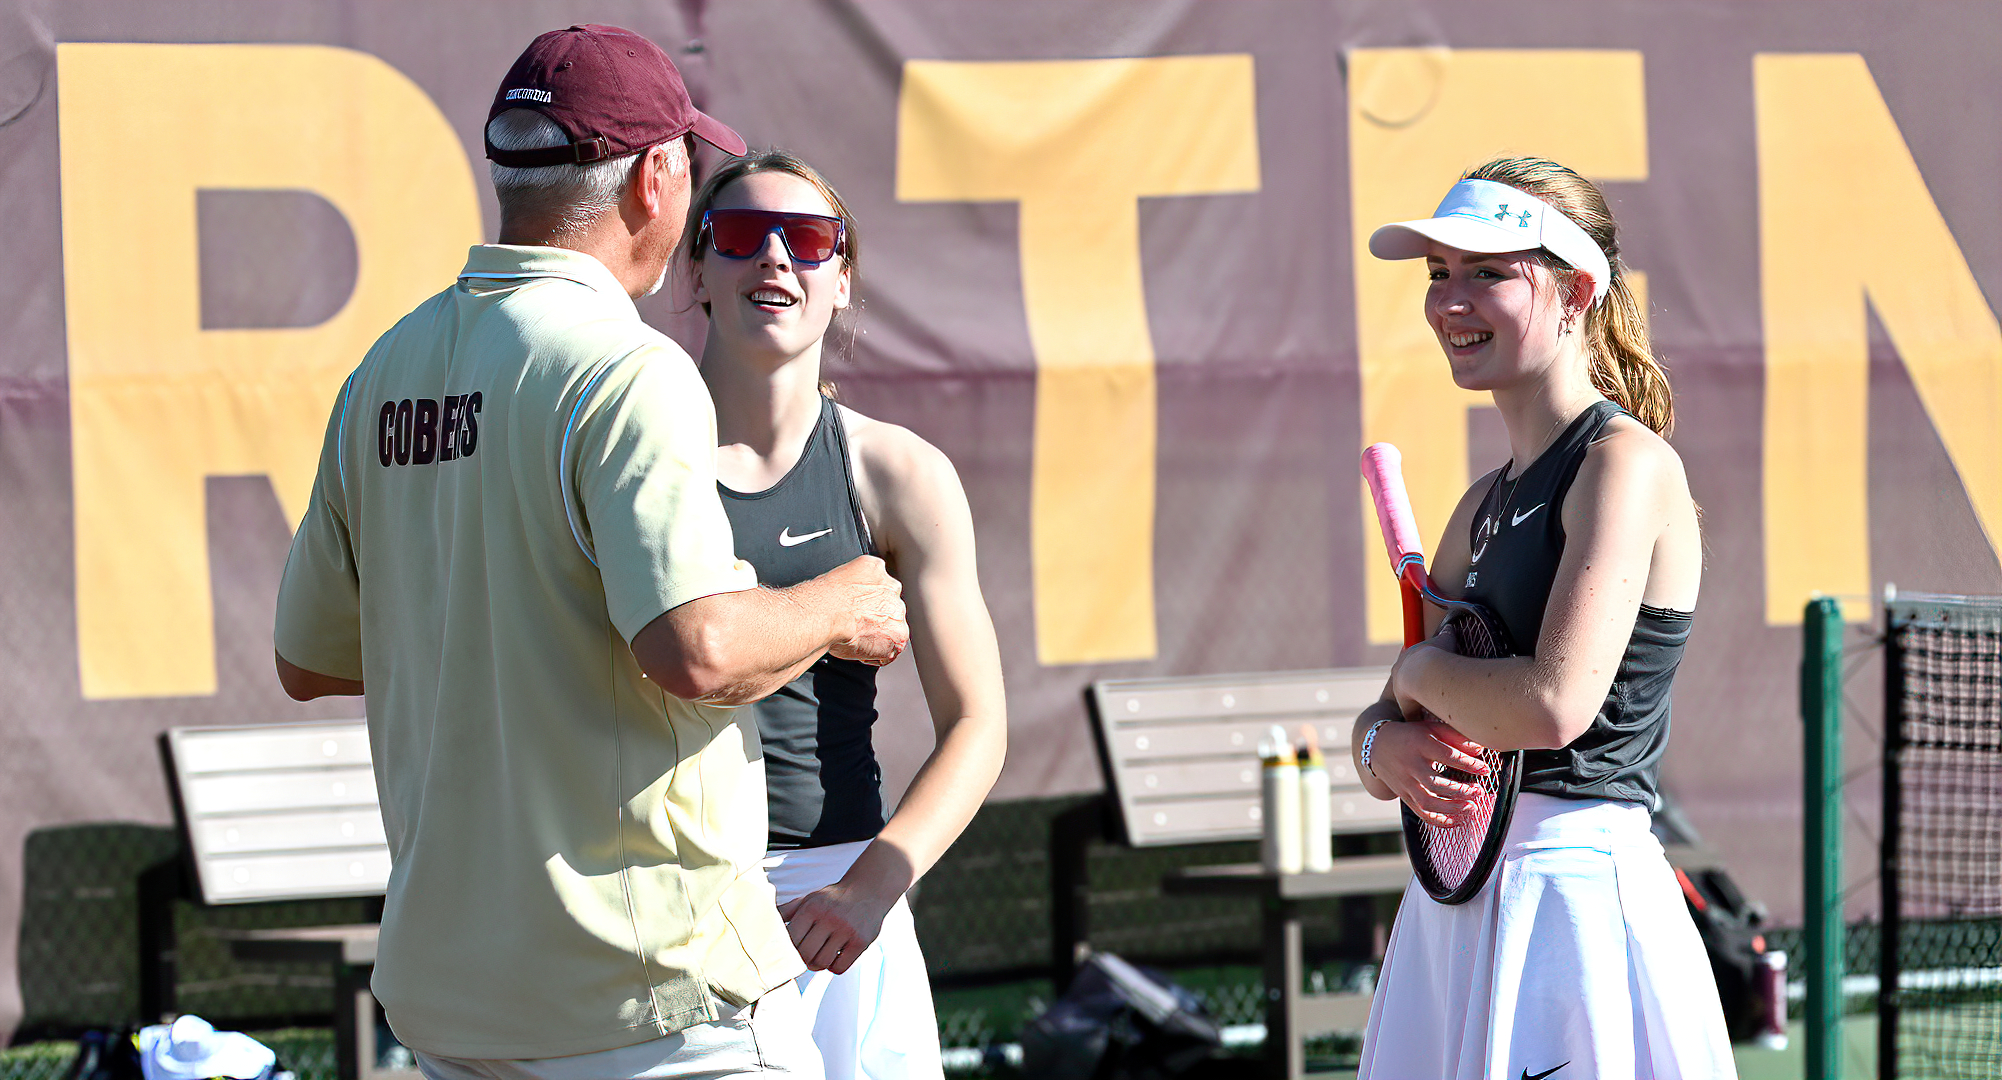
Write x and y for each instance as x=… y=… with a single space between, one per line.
x=918 y=515
x=1630 y=501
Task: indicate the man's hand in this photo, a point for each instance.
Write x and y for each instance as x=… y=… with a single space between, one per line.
x=831 y=926
x=876 y=601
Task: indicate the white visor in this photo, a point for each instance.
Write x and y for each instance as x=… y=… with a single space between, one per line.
x=1491 y=218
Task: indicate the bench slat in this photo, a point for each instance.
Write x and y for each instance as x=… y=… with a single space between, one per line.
x=236 y=879
x=1196 y=821
x=221 y=750
x=1203 y=737
x=288 y=832
x=263 y=792
x=1153 y=780
x=1303 y=693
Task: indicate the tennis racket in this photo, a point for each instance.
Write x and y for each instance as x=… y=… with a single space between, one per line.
x=1452 y=864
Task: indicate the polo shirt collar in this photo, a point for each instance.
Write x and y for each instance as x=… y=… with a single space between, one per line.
x=501 y=262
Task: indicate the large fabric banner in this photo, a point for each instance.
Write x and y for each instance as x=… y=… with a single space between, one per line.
x=1113 y=265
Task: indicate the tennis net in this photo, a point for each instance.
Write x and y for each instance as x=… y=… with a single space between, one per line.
x=1940 y=1006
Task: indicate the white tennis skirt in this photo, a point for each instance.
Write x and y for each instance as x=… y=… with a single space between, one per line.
x=1576 y=961
x=875 y=1020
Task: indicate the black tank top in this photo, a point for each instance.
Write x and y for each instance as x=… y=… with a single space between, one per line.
x=1518 y=538
x=821 y=775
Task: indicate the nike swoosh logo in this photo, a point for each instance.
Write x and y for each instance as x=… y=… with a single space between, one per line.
x=1541 y=1075
x=787 y=539
x=1514 y=520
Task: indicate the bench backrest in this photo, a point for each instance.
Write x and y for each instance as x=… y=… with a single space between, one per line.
x=279 y=812
x=1181 y=755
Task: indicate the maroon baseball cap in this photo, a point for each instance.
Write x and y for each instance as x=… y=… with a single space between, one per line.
x=612 y=92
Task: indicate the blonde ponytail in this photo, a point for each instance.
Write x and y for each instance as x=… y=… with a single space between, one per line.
x=1624 y=365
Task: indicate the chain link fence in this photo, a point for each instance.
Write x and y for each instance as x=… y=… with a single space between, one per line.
x=983 y=916
x=79 y=946
x=983 y=913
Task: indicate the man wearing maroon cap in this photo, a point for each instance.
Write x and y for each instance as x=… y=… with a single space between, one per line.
x=516 y=551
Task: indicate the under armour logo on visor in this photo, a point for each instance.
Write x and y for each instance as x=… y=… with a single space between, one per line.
x=1522 y=219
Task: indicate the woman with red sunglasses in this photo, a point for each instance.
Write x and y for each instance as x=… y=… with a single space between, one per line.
x=810 y=484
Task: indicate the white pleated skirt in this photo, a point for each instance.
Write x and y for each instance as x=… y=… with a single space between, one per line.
x=875 y=1020
x=1576 y=961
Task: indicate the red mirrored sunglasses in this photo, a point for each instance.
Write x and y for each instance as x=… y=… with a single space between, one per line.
x=811 y=239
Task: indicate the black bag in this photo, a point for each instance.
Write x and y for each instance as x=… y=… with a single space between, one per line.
x=1119 y=1022
x=1731 y=931
x=107 y=1055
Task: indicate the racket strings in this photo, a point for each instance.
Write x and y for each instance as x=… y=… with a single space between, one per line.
x=1454 y=851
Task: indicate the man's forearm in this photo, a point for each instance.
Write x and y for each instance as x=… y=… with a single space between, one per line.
x=768 y=637
x=735 y=648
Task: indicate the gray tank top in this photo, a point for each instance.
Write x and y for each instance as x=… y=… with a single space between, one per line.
x=1517 y=541
x=821 y=775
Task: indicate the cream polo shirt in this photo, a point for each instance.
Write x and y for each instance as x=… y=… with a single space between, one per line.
x=518 y=477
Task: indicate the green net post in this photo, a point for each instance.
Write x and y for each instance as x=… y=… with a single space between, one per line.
x=1821 y=788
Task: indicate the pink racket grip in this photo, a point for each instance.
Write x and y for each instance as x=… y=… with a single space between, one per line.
x=1383 y=471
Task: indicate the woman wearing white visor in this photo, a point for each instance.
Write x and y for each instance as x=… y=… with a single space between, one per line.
x=1577 y=959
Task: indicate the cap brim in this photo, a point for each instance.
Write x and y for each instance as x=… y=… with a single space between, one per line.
x=1414 y=239
x=717 y=134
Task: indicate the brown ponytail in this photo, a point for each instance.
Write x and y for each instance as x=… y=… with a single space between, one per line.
x=1624 y=365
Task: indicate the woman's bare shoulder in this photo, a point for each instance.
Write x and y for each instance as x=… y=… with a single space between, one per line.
x=1629 y=454
x=887 y=453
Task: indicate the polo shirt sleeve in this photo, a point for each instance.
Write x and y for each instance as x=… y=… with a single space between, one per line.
x=319 y=598
x=644 y=477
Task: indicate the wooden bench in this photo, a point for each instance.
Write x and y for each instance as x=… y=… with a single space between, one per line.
x=274 y=813
x=1179 y=757
x=1180 y=765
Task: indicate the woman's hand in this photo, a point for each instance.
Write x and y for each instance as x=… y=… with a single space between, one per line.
x=832 y=925
x=1407 y=757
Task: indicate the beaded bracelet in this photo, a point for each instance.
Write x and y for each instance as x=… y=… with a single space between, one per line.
x=1369 y=738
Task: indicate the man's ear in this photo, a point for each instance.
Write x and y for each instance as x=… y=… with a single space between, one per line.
x=650 y=181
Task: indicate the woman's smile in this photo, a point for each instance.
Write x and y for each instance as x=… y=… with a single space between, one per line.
x=771 y=298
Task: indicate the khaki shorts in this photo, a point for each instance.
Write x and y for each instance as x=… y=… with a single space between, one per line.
x=768 y=1038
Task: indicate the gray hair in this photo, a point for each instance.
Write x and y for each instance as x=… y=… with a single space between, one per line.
x=571 y=196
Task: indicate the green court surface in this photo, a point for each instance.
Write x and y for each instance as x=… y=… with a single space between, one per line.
x=310 y=1051
x=1859 y=1057
x=1859 y=1053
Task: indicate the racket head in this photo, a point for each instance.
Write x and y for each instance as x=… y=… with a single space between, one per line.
x=1453 y=864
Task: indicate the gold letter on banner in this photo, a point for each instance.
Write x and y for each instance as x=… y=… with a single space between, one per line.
x=1077 y=143
x=156 y=403
x=1844 y=215
x=1418 y=118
